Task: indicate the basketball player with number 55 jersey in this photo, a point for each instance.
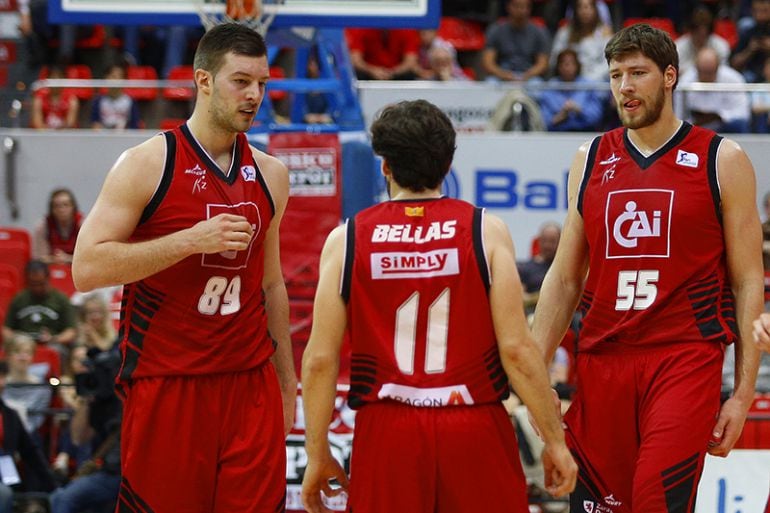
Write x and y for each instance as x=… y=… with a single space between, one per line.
x=188 y=221
x=661 y=251
x=427 y=288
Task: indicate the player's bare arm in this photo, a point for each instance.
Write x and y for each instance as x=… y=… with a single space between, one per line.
x=743 y=242
x=276 y=299
x=520 y=356
x=320 y=368
x=103 y=254
x=563 y=283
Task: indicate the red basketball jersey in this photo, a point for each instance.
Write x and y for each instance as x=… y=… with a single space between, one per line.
x=657 y=251
x=206 y=313
x=416 y=281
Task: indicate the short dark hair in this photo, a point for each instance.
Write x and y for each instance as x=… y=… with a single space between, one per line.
x=224 y=38
x=417 y=140
x=36 y=266
x=653 y=43
x=569 y=52
x=56 y=192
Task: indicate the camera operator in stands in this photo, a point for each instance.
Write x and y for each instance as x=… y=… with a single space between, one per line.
x=95 y=421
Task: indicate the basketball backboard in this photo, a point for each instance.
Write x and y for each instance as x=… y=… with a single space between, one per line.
x=292 y=13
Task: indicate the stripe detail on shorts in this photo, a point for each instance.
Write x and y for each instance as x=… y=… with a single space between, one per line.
x=129 y=501
x=680 y=482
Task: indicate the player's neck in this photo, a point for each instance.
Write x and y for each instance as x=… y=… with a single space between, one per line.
x=651 y=138
x=399 y=194
x=216 y=142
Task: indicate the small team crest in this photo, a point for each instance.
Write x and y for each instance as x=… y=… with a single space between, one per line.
x=685 y=158
x=249 y=173
x=588 y=506
x=414 y=211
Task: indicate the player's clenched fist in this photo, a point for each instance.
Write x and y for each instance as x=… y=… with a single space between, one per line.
x=762 y=332
x=223 y=232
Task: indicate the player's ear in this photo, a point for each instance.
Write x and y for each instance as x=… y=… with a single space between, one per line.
x=385 y=169
x=670 y=76
x=203 y=80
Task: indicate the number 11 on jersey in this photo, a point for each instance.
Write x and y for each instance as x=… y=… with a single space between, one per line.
x=436 y=336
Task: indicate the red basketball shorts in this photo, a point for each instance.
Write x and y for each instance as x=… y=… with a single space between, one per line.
x=204 y=444
x=461 y=459
x=639 y=427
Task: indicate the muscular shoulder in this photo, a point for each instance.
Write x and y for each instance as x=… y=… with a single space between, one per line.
x=275 y=174
x=139 y=169
x=734 y=169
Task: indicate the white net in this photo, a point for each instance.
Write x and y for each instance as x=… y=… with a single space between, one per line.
x=255 y=14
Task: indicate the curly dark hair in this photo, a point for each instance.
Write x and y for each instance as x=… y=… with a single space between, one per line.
x=224 y=38
x=653 y=43
x=417 y=140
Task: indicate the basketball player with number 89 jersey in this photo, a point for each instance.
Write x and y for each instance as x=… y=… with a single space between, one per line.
x=188 y=221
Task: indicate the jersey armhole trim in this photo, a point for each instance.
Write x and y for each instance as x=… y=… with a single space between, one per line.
x=587 y=168
x=347 y=259
x=713 y=176
x=261 y=179
x=165 y=179
x=478 y=247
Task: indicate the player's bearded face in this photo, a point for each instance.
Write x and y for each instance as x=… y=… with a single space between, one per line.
x=652 y=107
x=228 y=114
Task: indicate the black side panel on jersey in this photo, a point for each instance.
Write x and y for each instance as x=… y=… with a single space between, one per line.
x=711 y=170
x=165 y=180
x=478 y=246
x=590 y=159
x=347 y=265
x=262 y=182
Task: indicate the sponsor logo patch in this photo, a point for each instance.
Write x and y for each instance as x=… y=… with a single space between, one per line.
x=638 y=223
x=394 y=265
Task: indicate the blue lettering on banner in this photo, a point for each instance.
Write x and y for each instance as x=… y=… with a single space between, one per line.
x=722 y=498
x=503 y=188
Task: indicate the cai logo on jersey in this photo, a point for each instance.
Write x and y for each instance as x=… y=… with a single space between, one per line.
x=638 y=223
x=233 y=259
x=395 y=265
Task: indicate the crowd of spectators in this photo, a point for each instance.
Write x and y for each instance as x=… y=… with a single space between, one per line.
x=522 y=40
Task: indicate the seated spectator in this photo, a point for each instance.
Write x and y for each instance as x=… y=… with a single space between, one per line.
x=26 y=393
x=532 y=272
x=753 y=46
x=516 y=49
x=722 y=111
x=24 y=450
x=71 y=456
x=54 y=107
x=95 y=324
x=383 y=54
x=54 y=237
x=316 y=105
x=587 y=35
x=95 y=422
x=115 y=110
x=564 y=110
x=437 y=59
x=700 y=35
x=40 y=311
x=760 y=104
x=443 y=65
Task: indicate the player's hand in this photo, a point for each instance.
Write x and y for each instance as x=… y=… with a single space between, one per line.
x=317 y=481
x=728 y=428
x=560 y=469
x=761 y=332
x=221 y=233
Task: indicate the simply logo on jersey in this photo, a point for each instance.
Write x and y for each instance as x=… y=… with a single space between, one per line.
x=233 y=259
x=397 y=264
x=456 y=395
x=249 y=173
x=685 y=158
x=638 y=223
